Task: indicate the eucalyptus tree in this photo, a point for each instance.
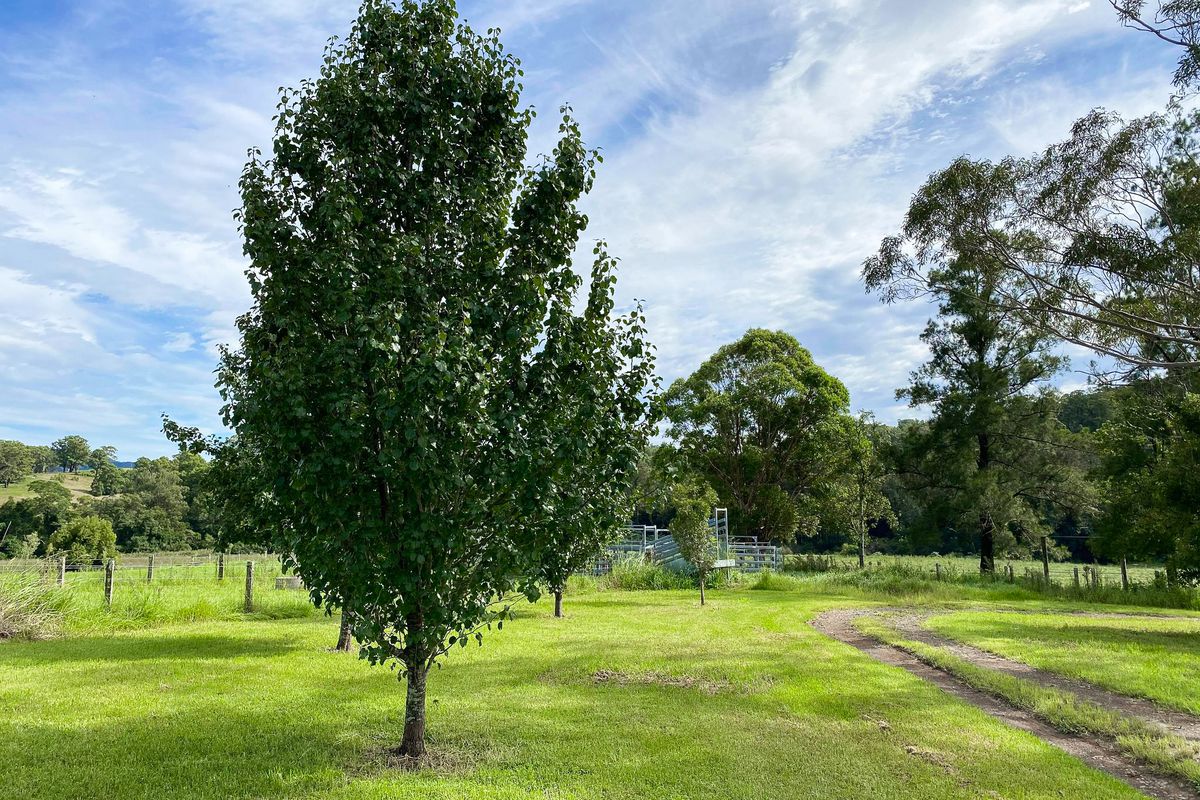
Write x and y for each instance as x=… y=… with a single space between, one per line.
x=16 y=461
x=762 y=423
x=396 y=377
x=994 y=452
x=1097 y=236
x=694 y=500
x=71 y=452
x=102 y=457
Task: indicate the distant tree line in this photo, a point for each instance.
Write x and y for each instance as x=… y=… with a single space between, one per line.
x=157 y=504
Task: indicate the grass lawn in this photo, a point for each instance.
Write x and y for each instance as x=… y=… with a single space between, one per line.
x=1154 y=658
x=80 y=484
x=633 y=695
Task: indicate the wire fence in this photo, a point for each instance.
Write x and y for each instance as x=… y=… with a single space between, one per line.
x=1059 y=573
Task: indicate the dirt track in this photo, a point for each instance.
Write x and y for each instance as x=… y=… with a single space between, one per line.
x=1098 y=753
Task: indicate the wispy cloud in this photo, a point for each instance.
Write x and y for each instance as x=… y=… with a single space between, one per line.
x=755 y=153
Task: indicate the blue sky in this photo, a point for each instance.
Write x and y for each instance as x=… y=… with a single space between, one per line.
x=756 y=152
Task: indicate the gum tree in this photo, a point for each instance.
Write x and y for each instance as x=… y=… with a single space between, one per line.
x=763 y=424
x=993 y=453
x=396 y=376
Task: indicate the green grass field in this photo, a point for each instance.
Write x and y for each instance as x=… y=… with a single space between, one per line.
x=176 y=693
x=1158 y=659
x=79 y=483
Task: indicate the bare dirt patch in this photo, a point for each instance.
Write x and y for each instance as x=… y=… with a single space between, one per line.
x=618 y=678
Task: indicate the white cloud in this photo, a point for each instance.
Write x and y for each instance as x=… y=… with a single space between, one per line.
x=755 y=153
x=179 y=342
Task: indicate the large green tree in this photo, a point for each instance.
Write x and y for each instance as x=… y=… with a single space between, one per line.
x=410 y=278
x=43 y=458
x=761 y=422
x=15 y=461
x=71 y=452
x=994 y=454
x=102 y=457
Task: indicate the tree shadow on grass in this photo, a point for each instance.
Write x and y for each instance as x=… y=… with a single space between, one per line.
x=141 y=647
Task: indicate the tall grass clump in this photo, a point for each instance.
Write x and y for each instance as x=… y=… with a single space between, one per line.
x=633 y=573
x=29 y=608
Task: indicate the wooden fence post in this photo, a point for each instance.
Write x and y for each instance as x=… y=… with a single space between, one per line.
x=1076 y=577
x=150 y=568
x=62 y=570
x=220 y=566
x=109 y=566
x=1124 y=575
x=937 y=568
x=1046 y=559
x=249 y=586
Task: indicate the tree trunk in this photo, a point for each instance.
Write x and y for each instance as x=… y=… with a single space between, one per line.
x=558 y=602
x=862 y=526
x=413 y=743
x=345 y=639
x=987 y=528
x=701 y=588
x=987 y=545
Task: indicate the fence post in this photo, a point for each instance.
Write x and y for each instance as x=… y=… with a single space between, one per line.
x=1124 y=575
x=1012 y=574
x=1076 y=577
x=1046 y=559
x=62 y=570
x=149 y=568
x=109 y=566
x=220 y=566
x=249 y=586
x=937 y=568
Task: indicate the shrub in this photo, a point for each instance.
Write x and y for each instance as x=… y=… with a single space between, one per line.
x=85 y=540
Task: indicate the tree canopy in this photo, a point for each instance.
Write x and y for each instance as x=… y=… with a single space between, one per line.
x=1096 y=235
x=761 y=422
x=397 y=376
